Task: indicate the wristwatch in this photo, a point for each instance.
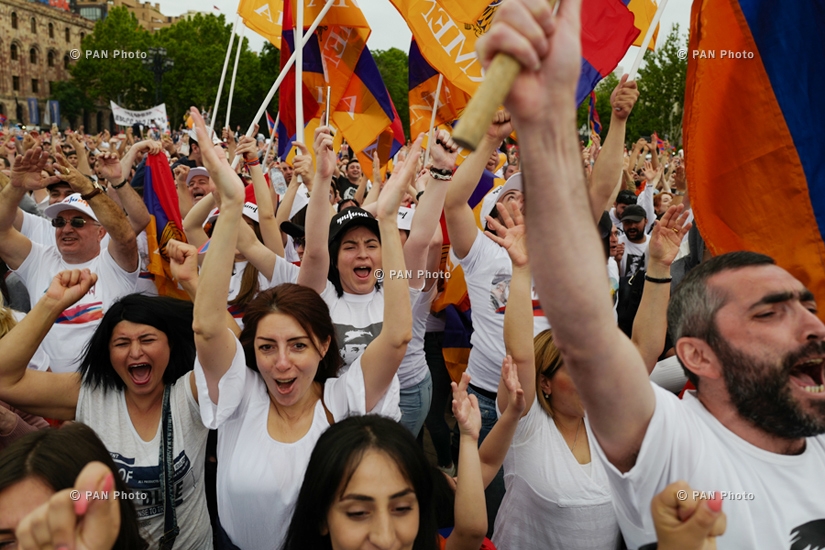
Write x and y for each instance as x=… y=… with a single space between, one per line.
x=98 y=189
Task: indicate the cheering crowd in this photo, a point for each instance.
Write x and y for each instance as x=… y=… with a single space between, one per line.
x=623 y=386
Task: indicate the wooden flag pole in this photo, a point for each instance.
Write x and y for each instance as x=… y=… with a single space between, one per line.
x=634 y=69
x=283 y=73
x=432 y=119
x=234 y=73
x=223 y=75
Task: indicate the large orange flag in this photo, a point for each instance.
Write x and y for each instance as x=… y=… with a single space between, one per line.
x=643 y=12
x=265 y=17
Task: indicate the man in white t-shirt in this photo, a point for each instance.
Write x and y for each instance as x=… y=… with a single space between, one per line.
x=80 y=221
x=744 y=329
x=634 y=239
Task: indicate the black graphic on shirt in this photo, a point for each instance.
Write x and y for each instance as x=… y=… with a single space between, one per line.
x=809 y=536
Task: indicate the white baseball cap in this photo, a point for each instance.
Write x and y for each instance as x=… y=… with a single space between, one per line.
x=199 y=171
x=250 y=210
x=405 y=216
x=72 y=202
x=490 y=200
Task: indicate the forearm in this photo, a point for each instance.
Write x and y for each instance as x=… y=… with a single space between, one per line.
x=650 y=323
x=185 y=202
x=285 y=208
x=315 y=263
x=397 y=327
x=496 y=445
x=361 y=190
x=518 y=318
x=424 y=224
x=607 y=171
x=270 y=229
x=372 y=196
x=470 y=504
x=134 y=206
x=10 y=198
x=194 y=220
x=83 y=161
x=465 y=178
x=111 y=217
x=19 y=345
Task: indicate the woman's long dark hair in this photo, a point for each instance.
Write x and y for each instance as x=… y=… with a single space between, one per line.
x=170 y=316
x=56 y=457
x=334 y=460
x=308 y=309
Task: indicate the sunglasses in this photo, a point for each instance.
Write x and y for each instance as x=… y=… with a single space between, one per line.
x=76 y=222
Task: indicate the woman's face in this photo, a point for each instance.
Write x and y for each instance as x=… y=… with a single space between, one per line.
x=140 y=355
x=16 y=502
x=286 y=357
x=358 y=258
x=564 y=398
x=377 y=509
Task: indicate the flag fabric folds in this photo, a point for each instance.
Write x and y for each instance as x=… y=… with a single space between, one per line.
x=643 y=12
x=423 y=84
x=753 y=154
x=265 y=17
x=161 y=200
x=595 y=122
x=468 y=11
x=270 y=123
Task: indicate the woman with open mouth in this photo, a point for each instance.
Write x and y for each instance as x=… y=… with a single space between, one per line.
x=274 y=391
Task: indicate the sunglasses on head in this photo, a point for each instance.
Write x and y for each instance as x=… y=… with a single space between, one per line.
x=76 y=222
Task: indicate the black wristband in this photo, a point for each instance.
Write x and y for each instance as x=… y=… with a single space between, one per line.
x=658 y=281
x=418 y=196
x=119 y=185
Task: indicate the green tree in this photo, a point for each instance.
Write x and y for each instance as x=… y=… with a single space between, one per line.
x=661 y=92
x=116 y=77
x=73 y=100
x=603 y=91
x=394 y=66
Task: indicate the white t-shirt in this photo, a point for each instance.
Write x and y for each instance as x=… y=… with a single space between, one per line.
x=259 y=477
x=69 y=335
x=779 y=501
x=137 y=460
x=146 y=281
x=40 y=360
x=551 y=500
x=613 y=280
x=487 y=271
x=635 y=255
x=413 y=368
x=358 y=318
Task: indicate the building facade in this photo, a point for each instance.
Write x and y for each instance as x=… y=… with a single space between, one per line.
x=148 y=14
x=38 y=43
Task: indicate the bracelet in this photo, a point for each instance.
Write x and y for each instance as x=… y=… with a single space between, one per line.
x=119 y=185
x=657 y=281
x=418 y=196
x=441 y=175
x=255 y=162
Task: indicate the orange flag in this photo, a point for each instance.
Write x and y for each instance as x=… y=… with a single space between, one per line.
x=265 y=17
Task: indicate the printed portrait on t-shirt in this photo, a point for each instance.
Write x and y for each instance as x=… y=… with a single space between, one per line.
x=354 y=340
x=634 y=263
x=809 y=535
x=499 y=292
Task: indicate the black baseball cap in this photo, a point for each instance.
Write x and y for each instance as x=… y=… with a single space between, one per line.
x=347 y=219
x=634 y=213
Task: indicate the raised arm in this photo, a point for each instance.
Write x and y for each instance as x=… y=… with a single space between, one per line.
x=123 y=241
x=498 y=441
x=216 y=345
x=42 y=393
x=270 y=231
x=428 y=212
x=80 y=150
x=185 y=201
x=567 y=257
x=25 y=174
x=470 y=504
x=315 y=264
x=607 y=171
x=383 y=355
x=285 y=207
x=650 y=324
x=461 y=222
x=109 y=167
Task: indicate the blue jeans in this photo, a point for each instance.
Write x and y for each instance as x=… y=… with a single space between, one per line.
x=494 y=492
x=415 y=404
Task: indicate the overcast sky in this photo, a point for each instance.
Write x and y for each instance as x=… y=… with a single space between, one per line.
x=389 y=29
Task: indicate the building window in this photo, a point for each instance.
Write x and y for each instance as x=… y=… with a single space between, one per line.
x=82 y=36
x=35 y=86
x=51 y=30
x=15 y=83
x=34 y=25
x=14 y=19
x=68 y=34
x=50 y=58
x=66 y=61
x=14 y=52
x=33 y=56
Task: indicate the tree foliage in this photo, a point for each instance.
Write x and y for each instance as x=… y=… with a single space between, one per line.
x=73 y=100
x=661 y=92
x=393 y=65
x=603 y=91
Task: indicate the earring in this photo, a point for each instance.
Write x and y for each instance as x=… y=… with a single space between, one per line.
x=546 y=396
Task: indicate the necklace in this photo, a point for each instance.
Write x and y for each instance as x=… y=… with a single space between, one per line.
x=576 y=437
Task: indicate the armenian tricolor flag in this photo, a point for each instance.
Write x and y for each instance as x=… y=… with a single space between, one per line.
x=754 y=157
x=270 y=123
x=264 y=17
x=162 y=202
x=423 y=84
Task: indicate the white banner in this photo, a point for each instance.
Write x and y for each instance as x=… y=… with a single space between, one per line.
x=124 y=117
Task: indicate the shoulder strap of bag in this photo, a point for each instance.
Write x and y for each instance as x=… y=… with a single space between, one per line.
x=167 y=467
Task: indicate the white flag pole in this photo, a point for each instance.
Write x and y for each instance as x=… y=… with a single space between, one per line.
x=299 y=71
x=648 y=37
x=283 y=73
x=234 y=73
x=223 y=75
x=432 y=119
x=272 y=139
